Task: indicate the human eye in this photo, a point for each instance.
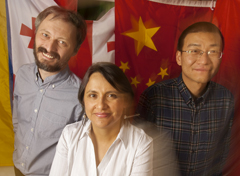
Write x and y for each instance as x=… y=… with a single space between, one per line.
x=194 y=51
x=44 y=35
x=62 y=43
x=92 y=95
x=112 y=96
x=213 y=52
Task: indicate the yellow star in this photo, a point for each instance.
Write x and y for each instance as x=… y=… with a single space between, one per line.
x=163 y=72
x=142 y=36
x=134 y=81
x=150 y=82
x=124 y=66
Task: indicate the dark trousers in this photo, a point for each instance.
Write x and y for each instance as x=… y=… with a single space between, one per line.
x=17 y=172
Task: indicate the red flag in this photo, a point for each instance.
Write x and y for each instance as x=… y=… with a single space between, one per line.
x=80 y=63
x=146 y=39
x=68 y=4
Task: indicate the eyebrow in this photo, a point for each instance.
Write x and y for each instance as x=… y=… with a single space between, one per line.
x=44 y=30
x=194 y=44
x=93 y=91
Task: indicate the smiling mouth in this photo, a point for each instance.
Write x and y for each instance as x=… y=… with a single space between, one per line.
x=202 y=69
x=102 y=115
x=48 y=56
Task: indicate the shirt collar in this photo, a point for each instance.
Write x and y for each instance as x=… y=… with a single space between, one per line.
x=53 y=80
x=205 y=95
x=186 y=93
x=122 y=135
x=184 y=90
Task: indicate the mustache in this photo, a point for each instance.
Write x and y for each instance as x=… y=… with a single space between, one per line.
x=52 y=53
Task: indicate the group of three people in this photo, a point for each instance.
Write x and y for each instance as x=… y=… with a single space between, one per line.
x=195 y=111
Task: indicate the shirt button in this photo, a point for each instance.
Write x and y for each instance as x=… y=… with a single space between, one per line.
x=53 y=86
x=35 y=110
x=32 y=129
x=27 y=147
x=41 y=90
x=22 y=164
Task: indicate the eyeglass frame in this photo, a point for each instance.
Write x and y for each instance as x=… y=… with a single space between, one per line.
x=201 y=52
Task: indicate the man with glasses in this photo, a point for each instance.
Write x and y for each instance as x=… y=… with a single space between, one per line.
x=197 y=112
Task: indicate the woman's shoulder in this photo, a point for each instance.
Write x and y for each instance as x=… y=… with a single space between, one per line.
x=75 y=129
x=137 y=133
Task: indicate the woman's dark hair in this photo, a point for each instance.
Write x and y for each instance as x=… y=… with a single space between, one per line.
x=199 y=27
x=112 y=73
x=67 y=16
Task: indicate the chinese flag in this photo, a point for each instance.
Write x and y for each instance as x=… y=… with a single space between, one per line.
x=146 y=40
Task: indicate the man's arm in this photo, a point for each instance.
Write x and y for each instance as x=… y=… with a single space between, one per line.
x=227 y=137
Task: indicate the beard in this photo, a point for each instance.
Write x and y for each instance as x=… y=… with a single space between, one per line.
x=44 y=65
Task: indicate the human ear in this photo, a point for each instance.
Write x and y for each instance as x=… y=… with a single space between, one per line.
x=179 y=58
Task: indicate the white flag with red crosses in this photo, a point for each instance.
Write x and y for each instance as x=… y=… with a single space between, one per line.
x=99 y=44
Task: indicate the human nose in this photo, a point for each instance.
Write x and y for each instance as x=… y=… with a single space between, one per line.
x=203 y=57
x=101 y=103
x=51 y=46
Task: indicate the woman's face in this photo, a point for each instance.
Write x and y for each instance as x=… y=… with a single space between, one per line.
x=104 y=105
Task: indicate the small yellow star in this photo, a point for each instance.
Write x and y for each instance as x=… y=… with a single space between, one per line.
x=142 y=36
x=163 y=72
x=134 y=81
x=150 y=82
x=124 y=66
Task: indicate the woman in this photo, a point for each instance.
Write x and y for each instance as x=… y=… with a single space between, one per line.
x=104 y=143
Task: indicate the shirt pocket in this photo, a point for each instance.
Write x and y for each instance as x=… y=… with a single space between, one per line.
x=51 y=125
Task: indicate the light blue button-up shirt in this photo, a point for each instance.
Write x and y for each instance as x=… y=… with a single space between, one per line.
x=40 y=112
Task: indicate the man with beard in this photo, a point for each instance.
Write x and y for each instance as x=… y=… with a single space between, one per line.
x=45 y=93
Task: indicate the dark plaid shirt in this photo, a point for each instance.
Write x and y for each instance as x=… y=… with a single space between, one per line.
x=200 y=129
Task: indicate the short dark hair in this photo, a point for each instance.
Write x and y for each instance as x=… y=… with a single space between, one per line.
x=112 y=73
x=67 y=16
x=199 y=27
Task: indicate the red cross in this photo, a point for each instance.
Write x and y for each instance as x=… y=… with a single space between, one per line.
x=110 y=46
x=26 y=31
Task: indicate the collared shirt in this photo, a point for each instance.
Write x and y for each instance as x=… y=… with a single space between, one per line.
x=200 y=129
x=40 y=112
x=130 y=154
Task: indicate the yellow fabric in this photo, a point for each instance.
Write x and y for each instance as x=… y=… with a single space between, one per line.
x=6 y=129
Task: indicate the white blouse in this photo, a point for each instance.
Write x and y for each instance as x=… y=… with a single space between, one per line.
x=130 y=154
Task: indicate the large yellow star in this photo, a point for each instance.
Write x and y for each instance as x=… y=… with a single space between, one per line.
x=142 y=36
x=124 y=66
x=134 y=81
x=163 y=72
x=150 y=82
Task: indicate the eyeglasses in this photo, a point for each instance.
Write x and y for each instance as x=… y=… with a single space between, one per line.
x=213 y=54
